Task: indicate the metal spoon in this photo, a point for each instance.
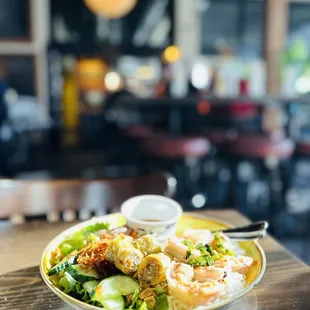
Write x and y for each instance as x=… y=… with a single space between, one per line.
x=252 y=231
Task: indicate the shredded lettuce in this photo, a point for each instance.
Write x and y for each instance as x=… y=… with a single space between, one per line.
x=143 y=306
x=66 y=248
x=74 y=288
x=68 y=283
x=162 y=302
x=82 y=292
x=95 y=227
x=135 y=298
x=81 y=238
x=160 y=290
x=55 y=279
x=70 y=286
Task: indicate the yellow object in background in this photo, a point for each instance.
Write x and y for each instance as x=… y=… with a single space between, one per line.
x=171 y=54
x=70 y=102
x=111 y=8
x=90 y=75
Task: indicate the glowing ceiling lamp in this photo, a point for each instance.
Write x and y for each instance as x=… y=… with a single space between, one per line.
x=302 y=85
x=111 y=8
x=113 y=81
x=200 y=76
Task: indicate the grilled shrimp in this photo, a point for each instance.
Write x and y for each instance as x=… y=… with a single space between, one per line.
x=203 y=236
x=178 y=250
x=235 y=264
x=204 y=274
x=181 y=285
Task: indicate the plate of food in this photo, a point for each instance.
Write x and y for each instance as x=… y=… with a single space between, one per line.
x=118 y=262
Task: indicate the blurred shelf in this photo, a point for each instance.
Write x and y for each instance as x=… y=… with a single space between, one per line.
x=194 y=100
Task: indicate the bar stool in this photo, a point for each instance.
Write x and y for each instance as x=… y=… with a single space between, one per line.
x=216 y=178
x=244 y=116
x=295 y=219
x=303 y=148
x=180 y=155
x=137 y=131
x=218 y=137
x=260 y=174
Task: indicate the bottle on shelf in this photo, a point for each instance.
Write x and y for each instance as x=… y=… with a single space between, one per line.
x=243 y=111
x=70 y=102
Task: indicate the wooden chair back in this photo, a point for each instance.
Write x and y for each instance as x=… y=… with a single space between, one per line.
x=69 y=199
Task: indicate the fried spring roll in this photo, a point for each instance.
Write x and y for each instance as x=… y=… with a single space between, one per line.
x=124 y=255
x=148 y=245
x=153 y=268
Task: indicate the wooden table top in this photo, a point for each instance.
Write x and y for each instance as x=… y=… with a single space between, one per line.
x=285 y=285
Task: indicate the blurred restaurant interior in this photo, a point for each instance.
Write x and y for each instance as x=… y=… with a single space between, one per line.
x=214 y=93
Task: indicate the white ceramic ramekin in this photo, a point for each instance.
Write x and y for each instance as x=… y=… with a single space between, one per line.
x=152 y=214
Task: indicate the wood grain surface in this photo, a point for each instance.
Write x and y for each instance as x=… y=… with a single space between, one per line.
x=286 y=284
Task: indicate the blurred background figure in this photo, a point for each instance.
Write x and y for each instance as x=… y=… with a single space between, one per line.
x=211 y=91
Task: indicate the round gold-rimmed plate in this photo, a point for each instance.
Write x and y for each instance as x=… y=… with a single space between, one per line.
x=188 y=220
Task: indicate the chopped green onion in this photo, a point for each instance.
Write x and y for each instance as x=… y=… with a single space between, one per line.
x=201 y=261
x=188 y=254
x=209 y=260
x=189 y=243
x=230 y=252
x=210 y=249
x=217 y=236
x=198 y=261
x=216 y=256
x=202 y=249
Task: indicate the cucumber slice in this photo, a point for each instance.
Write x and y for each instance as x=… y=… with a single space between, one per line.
x=82 y=273
x=89 y=286
x=116 y=303
x=65 y=263
x=115 y=286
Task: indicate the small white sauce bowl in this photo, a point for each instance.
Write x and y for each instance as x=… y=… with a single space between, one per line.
x=152 y=214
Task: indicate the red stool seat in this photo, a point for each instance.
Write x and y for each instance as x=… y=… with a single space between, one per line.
x=217 y=136
x=260 y=146
x=137 y=131
x=303 y=148
x=243 y=110
x=165 y=146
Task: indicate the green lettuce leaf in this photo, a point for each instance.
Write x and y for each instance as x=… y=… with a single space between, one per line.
x=95 y=227
x=135 y=298
x=81 y=238
x=68 y=283
x=162 y=302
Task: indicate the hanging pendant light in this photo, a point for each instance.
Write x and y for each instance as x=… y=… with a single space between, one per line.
x=111 y=8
